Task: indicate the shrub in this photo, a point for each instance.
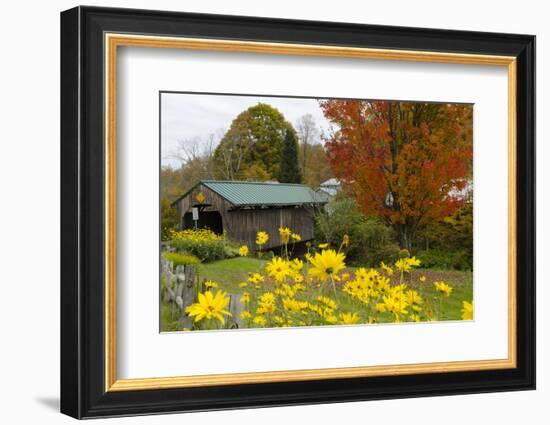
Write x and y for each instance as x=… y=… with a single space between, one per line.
x=371 y=241
x=441 y=259
x=180 y=259
x=448 y=243
x=203 y=243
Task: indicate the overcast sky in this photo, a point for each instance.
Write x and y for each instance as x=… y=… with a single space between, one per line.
x=189 y=116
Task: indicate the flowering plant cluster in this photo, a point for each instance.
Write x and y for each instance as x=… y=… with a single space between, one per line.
x=203 y=243
x=320 y=290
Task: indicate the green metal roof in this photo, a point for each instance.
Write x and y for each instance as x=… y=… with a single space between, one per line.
x=241 y=193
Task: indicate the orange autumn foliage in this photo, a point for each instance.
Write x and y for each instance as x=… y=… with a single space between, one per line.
x=405 y=162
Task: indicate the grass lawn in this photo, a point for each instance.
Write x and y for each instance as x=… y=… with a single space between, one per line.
x=229 y=273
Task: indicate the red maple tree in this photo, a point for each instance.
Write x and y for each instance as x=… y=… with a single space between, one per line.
x=405 y=162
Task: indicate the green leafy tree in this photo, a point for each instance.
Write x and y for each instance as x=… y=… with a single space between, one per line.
x=289 y=171
x=169 y=219
x=252 y=146
x=317 y=169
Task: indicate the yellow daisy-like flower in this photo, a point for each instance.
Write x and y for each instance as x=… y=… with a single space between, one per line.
x=278 y=269
x=285 y=234
x=467 y=310
x=295 y=306
x=415 y=317
x=327 y=301
x=255 y=278
x=386 y=268
x=405 y=264
x=331 y=318
x=345 y=240
x=412 y=297
x=443 y=288
x=402 y=265
x=260 y=320
x=327 y=264
x=243 y=284
x=246 y=315
x=243 y=251
x=349 y=318
x=422 y=278
x=267 y=298
x=380 y=308
x=210 y=284
x=323 y=245
x=210 y=306
x=297 y=264
x=245 y=298
x=298 y=278
x=262 y=238
x=296 y=237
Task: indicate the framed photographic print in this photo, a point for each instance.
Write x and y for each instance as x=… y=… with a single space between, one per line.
x=261 y=212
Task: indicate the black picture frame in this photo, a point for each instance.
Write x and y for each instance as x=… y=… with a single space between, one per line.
x=82 y=212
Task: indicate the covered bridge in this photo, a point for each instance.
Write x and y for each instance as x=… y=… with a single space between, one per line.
x=243 y=208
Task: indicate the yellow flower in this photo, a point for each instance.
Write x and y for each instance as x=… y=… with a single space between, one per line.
x=243 y=284
x=210 y=306
x=331 y=318
x=245 y=315
x=415 y=317
x=327 y=264
x=380 y=307
x=405 y=264
x=245 y=298
x=260 y=320
x=243 y=251
x=296 y=237
x=255 y=278
x=298 y=278
x=443 y=288
x=422 y=278
x=349 y=318
x=297 y=264
x=386 y=268
x=285 y=234
x=345 y=240
x=267 y=298
x=467 y=310
x=395 y=305
x=413 y=298
x=210 y=284
x=327 y=301
x=402 y=265
x=278 y=269
x=261 y=238
x=323 y=245
x=293 y=305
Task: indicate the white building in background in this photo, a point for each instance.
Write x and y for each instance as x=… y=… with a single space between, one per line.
x=329 y=188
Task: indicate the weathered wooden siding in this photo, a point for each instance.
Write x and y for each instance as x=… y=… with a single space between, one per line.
x=241 y=225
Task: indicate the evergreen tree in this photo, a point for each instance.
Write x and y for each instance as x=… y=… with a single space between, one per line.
x=289 y=171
